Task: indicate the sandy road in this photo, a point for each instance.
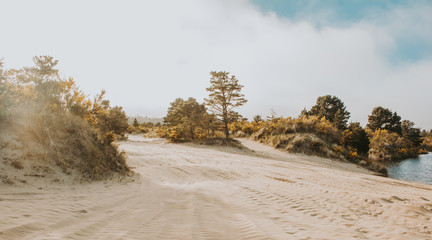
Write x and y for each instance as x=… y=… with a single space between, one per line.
x=191 y=192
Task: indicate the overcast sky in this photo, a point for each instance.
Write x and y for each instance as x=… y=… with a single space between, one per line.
x=285 y=53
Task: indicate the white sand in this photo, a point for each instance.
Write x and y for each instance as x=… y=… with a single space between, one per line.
x=190 y=192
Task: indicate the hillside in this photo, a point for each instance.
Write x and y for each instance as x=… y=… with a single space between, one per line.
x=65 y=151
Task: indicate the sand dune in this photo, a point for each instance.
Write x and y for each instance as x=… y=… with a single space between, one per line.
x=193 y=192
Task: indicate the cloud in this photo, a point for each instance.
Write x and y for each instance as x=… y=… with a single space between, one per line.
x=408 y=27
x=146 y=54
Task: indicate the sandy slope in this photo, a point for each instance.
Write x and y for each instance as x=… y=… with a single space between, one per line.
x=190 y=192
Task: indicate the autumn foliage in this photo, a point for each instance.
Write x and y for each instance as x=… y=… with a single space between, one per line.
x=70 y=129
x=311 y=135
x=323 y=130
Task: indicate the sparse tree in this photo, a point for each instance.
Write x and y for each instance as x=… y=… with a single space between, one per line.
x=224 y=97
x=303 y=113
x=383 y=118
x=332 y=108
x=273 y=115
x=257 y=119
x=48 y=84
x=2 y=89
x=135 y=123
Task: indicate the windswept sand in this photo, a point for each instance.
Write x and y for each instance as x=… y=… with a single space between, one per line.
x=193 y=192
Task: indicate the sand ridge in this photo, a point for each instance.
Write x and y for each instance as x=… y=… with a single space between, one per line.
x=193 y=192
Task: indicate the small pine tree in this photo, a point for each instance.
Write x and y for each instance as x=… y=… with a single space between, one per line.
x=257 y=119
x=135 y=123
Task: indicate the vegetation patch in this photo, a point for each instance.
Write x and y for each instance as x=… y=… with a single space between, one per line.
x=224 y=142
x=47 y=120
x=188 y=120
x=323 y=130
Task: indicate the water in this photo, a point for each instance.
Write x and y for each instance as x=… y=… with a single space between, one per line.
x=413 y=169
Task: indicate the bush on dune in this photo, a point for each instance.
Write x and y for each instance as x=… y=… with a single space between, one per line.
x=70 y=130
x=427 y=143
x=188 y=120
x=389 y=146
x=312 y=135
x=307 y=134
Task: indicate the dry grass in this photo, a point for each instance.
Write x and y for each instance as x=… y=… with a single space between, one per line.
x=66 y=141
x=307 y=135
x=305 y=143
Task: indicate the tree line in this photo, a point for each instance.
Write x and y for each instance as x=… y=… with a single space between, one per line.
x=189 y=120
x=323 y=130
x=68 y=117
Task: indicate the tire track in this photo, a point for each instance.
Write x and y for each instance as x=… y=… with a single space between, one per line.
x=187 y=192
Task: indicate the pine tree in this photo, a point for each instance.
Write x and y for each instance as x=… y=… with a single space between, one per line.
x=332 y=108
x=135 y=123
x=258 y=118
x=224 y=96
x=383 y=118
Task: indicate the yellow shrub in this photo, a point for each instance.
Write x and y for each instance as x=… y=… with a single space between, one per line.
x=427 y=143
x=385 y=146
x=131 y=129
x=173 y=134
